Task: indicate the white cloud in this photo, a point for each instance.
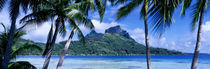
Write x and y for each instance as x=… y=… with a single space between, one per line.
x=206 y=26
x=101 y=27
x=137 y=34
x=38 y=34
x=4 y=18
x=163 y=41
x=108 y=3
x=187 y=43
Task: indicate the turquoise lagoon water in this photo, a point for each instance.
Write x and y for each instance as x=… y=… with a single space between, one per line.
x=120 y=62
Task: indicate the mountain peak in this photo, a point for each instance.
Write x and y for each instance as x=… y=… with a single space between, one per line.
x=93 y=31
x=118 y=30
x=115 y=29
x=94 y=34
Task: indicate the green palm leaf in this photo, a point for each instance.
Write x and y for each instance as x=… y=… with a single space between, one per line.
x=21 y=65
x=197 y=12
x=125 y=10
x=25 y=46
x=2 y=2
x=160 y=13
x=186 y=4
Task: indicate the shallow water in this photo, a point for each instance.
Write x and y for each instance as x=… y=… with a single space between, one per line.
x=120 y=62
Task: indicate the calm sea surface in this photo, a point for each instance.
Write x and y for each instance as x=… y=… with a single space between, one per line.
x=120 y=62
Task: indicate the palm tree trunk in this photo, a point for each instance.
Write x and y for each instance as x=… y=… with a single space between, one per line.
x=65 y=49
x=9 y=46
x=146 y=35
x=198 y=43
x=47 y=60
x=49 y=39
x=147 y=45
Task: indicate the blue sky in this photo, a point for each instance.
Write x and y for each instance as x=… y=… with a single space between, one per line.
x=178 y=37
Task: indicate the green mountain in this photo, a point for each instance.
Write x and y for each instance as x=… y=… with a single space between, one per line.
x=111 y=43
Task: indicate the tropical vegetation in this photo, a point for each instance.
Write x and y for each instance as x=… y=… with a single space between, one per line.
x=70 y=14
x=14 y=11
x=100 y=44
x=17 y=49
x=159 y=11
x=199 y=7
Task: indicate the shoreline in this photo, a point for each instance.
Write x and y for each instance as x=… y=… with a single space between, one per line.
x=113 y=55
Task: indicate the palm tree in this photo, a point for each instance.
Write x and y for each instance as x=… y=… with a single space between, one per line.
x=63 y=11
x=3 y=41
x=14 y=12
x=198 y=15
x=125 y=10
x=101 y=9
x=81 y=37
x=158 y=11
x=75 y=28
x=18 y=51
x=49 y=10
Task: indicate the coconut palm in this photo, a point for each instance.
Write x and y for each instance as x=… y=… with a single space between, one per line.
x=62 y=11
x=14 y=7
x=125 y=10
x=99 y=4
x=75 y=28
x=16 y=51
x=49 y=10
x=158 y=11
x=22 y=64
x=198 y=15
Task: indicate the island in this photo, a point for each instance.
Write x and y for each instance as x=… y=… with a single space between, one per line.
x=115 y=41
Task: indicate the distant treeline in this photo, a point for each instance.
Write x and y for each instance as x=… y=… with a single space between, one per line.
x=106 y=44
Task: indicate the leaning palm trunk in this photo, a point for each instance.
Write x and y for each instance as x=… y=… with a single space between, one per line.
x=47 y=60
x=198 y=43
x=65 y=49
x=146 y=34
x=147 y=45
x=9 y=46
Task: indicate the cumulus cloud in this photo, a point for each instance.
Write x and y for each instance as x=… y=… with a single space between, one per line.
x=99 y=27
x=187 y=43
x=137 y=34
x=108 y=3
x=4 y=18
x=38 y=34
x=206 y=26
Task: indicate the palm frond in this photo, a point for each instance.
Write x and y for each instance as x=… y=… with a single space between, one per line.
x=122 y=1
x=21 y=65
x=125 y=10
x=81 y=18
x=62 y=28
x=2 y=2
x=14 y=9
x=43 y=14
x=26 y=46
x=80 y=35
x=197 y=7
x=37 y=18
x=5 y=30
x=186 y=4
x=74 y=27
x=100 y=6
x=160 y=13
x=83 y=6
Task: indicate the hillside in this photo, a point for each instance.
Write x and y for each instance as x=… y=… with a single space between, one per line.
x=110 y=43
